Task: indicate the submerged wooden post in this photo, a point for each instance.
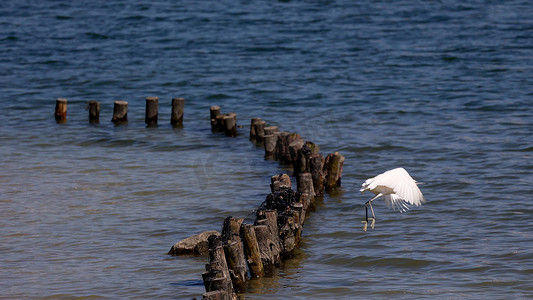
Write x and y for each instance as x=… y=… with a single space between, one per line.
x=230 y=124
x=333 y=170
x=178 y=106
x=305 y=184
x=94 y=112
x=61 y=110
x=253 y=134
x=316 y=162
x=214 y=112
x=251 y=249
x=152 y=106
x=120 y=112
x=217 y=276
x=234 y=252
x=259 y=127
x=270 y=145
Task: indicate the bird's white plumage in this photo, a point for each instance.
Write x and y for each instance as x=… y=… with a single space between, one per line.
x=398 y=188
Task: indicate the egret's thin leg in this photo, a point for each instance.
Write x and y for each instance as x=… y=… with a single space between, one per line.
x=369 y=203
x=366 y=218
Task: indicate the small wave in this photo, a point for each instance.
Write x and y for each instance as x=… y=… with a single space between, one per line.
x=95 y=35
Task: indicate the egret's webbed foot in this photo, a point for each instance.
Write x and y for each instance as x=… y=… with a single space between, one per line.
x=364 y=226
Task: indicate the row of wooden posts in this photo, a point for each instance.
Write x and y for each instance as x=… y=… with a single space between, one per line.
x=120 y=111
x=249 y=251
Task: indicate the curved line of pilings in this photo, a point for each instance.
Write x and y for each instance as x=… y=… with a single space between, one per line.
x=250 y=251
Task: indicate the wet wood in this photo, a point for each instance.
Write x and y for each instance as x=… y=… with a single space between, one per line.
x=270 y=141
x=252 y=127
x=152 y=107
x=280 y=181
x=259 y=128
x=230 y=124
x=60 y=113
x=120 y=112
x=217 y=276
x=316 y=163
x=333 y=170
x=214 y=112
x=303 y=157
x=271 y=130
x=269 y=218
x=178 y=107
x=94 y=111
x=282 y=152
x=304 y=184
x=217 y=295
x=264 y=242
x=251 y=250
x=234 y=251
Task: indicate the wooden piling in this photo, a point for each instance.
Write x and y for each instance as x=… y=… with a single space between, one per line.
x=61 y=110
x=152 y=106
x=230 y=124
x=282 y=152
x=270 y=141
x=120 y=112
x=252 y=128
x=214 y=112
x=94 y=112
x=217 y=275
x=251 y=249
x=333 y=170
x=271 y=130
x=316 y=162
x=216 y=295
x=260 y=130
x=280 y=181
x=233 y=249
x=304 y=184
x=265 y=246
x=178 y=107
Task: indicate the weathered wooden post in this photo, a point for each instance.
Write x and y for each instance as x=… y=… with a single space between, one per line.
x=217 y=276
x=253 y=134
x=233 y=248
x=270 y=145
x=269 y=219
x=120 y=112
x=271 y=130
x=316 y=162
x=305 y=184
x=61 y=110
x=178 y=107
x=280 y=181
x=214 y=111
x=230 y=124
x=251 y=249
x=333 y=170
x=259 y=130
x=265 y=246
x=94 y=111
x=152 y=106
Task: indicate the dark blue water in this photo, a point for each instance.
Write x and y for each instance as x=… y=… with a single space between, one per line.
x=441 y=88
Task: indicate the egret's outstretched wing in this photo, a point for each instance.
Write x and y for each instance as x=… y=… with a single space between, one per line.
x=396 y=203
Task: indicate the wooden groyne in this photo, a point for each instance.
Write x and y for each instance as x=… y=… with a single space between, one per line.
x=246 y=252
x=120 y=111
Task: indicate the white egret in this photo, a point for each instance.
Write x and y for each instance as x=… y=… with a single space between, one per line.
x=398 y=189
